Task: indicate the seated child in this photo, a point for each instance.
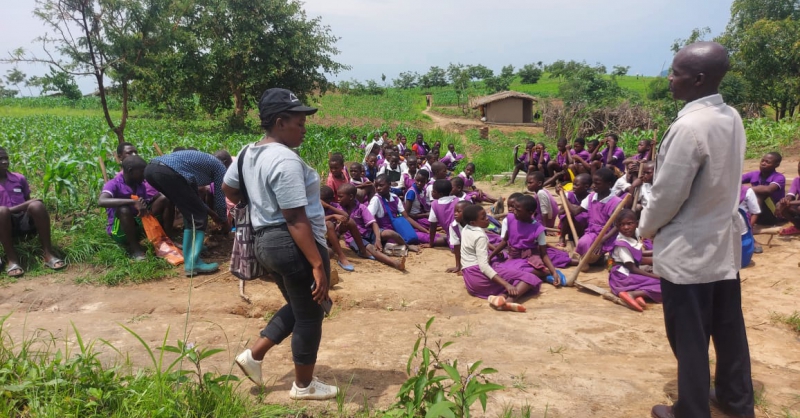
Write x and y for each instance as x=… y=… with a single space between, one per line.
x=420 y=146
x=526 y=241
x=393 y=173
x=469 y=186
x=580 y=218
x=628 y=182
x=385 y=198
x=409 y=172
x=338 y=175
x=642 y=152
x=748 y=213
x=438 y=172
x=645 y=190
x=560 y=258
x=627 y=279
x=521 y=163
x=337 y=221
x=458 y=189
x=612 y=155
x=599 y=205
x=540 y=159
x=789 y=207
x=416 y=200
x=769 y=187
x=368 y=230
x=22 y=216
x=500 y=285
x=364 y=187
x=124 y=212
x=370 y=167
x=442 y=210
x=455 y=235
x=547 y=209
x=401 y=145
x=450 y=158
x=558 y=167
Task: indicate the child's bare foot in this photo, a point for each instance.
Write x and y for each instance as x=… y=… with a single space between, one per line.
x=414 y=248
x=401 y=265
x=496 y=301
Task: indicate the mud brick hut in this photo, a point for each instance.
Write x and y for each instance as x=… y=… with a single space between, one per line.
x=505 y=107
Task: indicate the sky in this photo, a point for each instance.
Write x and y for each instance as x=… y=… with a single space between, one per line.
x=392 y=36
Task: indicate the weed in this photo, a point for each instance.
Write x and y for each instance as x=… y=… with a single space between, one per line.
x=793 y=320
x=519 y=381
x=558 y=350
x=464 y=332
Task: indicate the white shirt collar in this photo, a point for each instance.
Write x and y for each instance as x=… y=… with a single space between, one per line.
x=446 y=199
x=701 y=103
x=605 y=200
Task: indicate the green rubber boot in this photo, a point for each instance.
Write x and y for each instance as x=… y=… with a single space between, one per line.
x=192 y=263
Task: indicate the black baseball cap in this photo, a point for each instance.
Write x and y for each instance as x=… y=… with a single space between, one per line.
x=277 y=100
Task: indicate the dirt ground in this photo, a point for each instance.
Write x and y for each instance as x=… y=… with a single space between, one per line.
x=572 y=354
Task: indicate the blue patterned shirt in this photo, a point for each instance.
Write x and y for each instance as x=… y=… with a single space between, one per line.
x=199 y=169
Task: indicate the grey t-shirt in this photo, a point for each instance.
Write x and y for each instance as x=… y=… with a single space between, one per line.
x=277 y=178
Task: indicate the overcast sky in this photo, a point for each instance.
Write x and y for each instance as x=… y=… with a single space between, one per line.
x=392 y=36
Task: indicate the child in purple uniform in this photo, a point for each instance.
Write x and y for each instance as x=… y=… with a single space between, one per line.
x=455 y=234
x=580 y=218
x=442 y=210
x=547 y=209
x=367 y=229
x=628 y=279
x=124 y=213
x=769 y=187
x=558 y=167
x=521 y=162
x=415 y=202
x=385 y=198
x=499 y=285
x=22 y=216
x=789 y=207
x=600 y=205
x=527 y=244
x=469 y=186
x=540 y=159
x=612 y=155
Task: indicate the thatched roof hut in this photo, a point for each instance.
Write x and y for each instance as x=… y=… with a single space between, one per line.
x=506 y=107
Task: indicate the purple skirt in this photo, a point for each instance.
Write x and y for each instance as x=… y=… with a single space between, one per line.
x=585 y=242
x=481 y=286
x=619 y=282
x=560 y=258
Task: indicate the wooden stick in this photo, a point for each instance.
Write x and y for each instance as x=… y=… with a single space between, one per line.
x=103 y=168
x=564 y=202
x=158 y=149
x=597 y=241
x=605 y=293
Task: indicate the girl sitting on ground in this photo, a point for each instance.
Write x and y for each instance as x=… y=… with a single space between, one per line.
x=580 y=190
x=383 y=199
x=477 y=195
x=501 y=286
x=599 y=205
x=628 y=279
x=547 y=209
x=364 y=187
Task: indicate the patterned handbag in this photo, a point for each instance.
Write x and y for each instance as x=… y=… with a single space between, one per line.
x=243 y=255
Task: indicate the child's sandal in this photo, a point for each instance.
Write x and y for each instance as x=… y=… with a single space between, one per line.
x=496 y=302
x=630 y=302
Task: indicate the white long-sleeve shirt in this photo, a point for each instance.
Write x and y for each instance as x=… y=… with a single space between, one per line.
x=475 y=250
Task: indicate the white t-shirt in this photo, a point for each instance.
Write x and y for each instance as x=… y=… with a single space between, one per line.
x=375 y=206
x=454 y=239
x=644 y=193
x=277 y=178
x=750 y=206
x=544 y=203
x=620 y=185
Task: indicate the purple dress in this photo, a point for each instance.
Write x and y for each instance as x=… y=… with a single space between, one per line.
x=384 y=222
x=523 y=247
x=445 y=213
x=599 y=213
x=545 y=158
x=580 y=220
x=616 y=161
x=620 y=282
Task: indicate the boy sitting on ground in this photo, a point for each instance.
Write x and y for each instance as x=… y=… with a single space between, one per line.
x=124 y=212
x=769 y=187
x=22 y=216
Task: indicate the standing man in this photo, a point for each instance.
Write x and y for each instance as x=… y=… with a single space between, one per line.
x=697 y=247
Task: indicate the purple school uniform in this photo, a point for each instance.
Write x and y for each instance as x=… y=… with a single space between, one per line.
x=401 y=148
x=384 y=222
x=363 y=220
x=553 y=207
x=445 y=213
x=481 y=286
x=422 y=150
x=117 y=188
x=599 y=213
x=15 y=191
x=755 y=179
x=545 y=158
x=795 y=189
x=523 y=246
x=580 y=220
x=524 y=158
x=620 y=282
x=616 y=160
x=408 y=180
x=468 y=181
x=583 y=154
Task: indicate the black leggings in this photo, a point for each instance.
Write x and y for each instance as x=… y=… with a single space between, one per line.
x=182 y=194
x=301 y=317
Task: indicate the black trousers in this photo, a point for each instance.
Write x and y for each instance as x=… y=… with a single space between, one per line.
x=182 y=194
x=693 y=314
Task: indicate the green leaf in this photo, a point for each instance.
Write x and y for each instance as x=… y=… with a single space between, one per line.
x=441 y=409
x=452 y=372
x=428 y=324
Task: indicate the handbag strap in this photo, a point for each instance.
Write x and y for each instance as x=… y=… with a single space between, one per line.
x=387 y=208
x=240 y=165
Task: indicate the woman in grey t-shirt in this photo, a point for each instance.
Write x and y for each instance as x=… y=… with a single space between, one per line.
x=289 y=225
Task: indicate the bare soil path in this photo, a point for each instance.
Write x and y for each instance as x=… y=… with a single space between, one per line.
x=572 y=354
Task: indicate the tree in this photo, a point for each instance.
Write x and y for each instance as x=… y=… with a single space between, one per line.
x=530 y=73
x=658 y=89
x=589 y=85
x=406 y=80
x=105 y=39
x=697 y=35
x=6 y=92
x=479 y=72
x=435 y=77
x=230 y=51
x=16 y=77
x=620 y=70
x=502 y=81
x=57 y=82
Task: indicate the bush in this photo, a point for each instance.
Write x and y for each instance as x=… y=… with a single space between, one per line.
x=529 y=74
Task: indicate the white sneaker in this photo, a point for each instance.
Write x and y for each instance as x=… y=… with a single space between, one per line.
x=316 y=390
x=250 y=366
